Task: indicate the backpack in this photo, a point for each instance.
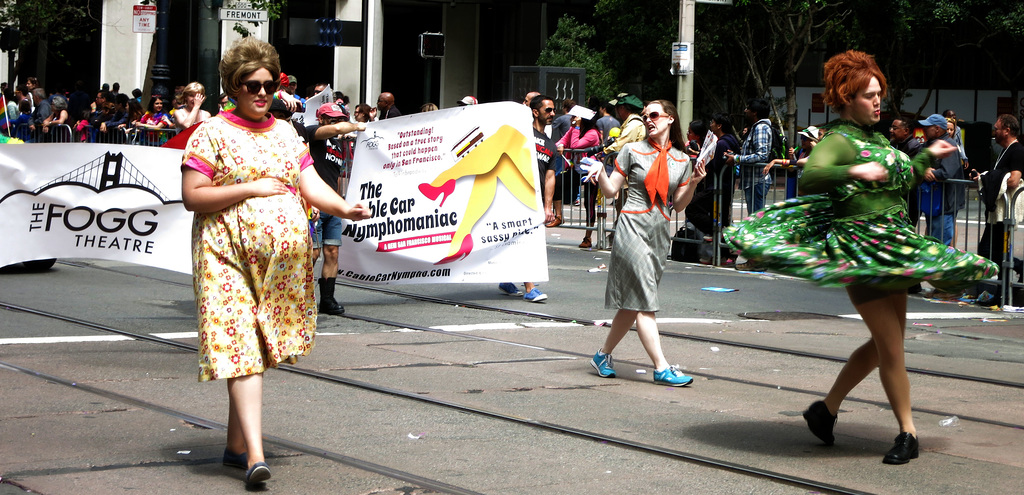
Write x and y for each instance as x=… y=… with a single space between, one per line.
x=778 y=146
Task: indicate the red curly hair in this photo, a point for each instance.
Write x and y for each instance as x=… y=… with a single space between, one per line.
x=847 y=73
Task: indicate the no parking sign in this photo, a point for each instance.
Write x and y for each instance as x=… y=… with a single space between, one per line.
x=144 y=19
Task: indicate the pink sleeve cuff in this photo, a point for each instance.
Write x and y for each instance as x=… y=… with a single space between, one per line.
x=305 y=160
x=199 y=166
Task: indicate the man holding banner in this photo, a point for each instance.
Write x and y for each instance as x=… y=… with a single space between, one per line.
x=543 y=108
x=328 y=158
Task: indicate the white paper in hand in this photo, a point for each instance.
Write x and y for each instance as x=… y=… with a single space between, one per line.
x=707 y=150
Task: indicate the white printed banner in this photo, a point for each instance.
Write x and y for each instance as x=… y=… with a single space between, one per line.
x=312 y=105
x=454 y=196
x=113 y=202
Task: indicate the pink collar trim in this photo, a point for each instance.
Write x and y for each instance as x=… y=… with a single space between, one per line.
x=248 y=124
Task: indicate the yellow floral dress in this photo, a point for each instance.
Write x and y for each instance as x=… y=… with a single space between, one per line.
x=252 y=269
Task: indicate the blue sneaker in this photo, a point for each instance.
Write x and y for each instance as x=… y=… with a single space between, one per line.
x=509 y=289
x=603 y=365
x=535 y=295
x=672 y=376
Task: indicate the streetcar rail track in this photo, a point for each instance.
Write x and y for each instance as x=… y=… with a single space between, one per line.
x=587 y=321
x=677 y=335
x=565 y=352
x=368 y=466
x=539 y=424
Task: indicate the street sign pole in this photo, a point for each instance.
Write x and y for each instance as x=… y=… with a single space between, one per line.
x=209 y=56
x=161 y=71
x=684 y=88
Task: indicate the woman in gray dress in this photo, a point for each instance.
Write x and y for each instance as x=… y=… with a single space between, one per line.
x=660 y=178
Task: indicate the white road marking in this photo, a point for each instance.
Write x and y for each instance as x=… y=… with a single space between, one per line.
x=944 y=316
x=64 y=340
x=490 y=326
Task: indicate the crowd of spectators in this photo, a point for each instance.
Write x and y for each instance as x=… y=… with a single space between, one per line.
x=32 y=114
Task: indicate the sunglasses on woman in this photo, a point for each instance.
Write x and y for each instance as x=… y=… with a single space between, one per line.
x=253 y=87
x=651 y=116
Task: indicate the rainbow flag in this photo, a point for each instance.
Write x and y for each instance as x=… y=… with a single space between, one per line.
x=5 y=120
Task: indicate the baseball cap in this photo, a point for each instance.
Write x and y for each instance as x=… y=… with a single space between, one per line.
x=331 y=110
x=628 y=100
x=467 y=100
x=933 y=119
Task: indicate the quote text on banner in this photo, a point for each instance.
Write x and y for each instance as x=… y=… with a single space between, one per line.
x=455 y=197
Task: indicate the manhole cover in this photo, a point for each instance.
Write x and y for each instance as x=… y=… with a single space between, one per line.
x=787 y=315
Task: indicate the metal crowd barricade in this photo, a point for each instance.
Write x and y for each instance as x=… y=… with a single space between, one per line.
x=724 y=183
x=576 y=197
x=573 y=199
x=154 y=137
x=22 y=132
x=964 y=223
x=61 y=133
x=125 y=135
x=64 y=133
x=773 y=184
x=681 y=220
x=1010 y=252
x=725 y=203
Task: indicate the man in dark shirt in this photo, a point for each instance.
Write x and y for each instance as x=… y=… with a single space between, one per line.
x=607 y=121
x=329 y=154
x=560 y=125
x=902 y=138
x=543 y=108
x=386 y=108
x=101 y=113
x=78 y=103
x=1009 y=167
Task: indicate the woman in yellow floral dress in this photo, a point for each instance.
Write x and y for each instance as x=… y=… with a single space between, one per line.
x=245 y=174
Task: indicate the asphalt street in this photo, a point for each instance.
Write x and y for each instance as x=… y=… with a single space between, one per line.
x=461 y=389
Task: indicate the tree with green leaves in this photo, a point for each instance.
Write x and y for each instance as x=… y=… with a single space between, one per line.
x=993 y=27
x=273 y=8
x=797 y=26
x=49 y=24
x=638 y=44
x=570 y=46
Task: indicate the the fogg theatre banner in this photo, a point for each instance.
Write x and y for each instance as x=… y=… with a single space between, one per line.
x=454 y=196
x=111 y=202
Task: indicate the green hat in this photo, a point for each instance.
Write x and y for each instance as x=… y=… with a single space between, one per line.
x=628 y=100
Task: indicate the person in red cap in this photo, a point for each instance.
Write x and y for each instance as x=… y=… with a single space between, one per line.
x=330 y=155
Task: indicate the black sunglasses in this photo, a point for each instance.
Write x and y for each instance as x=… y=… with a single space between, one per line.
x=253 y=87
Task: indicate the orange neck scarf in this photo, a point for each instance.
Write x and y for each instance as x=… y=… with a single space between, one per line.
x=656 y=181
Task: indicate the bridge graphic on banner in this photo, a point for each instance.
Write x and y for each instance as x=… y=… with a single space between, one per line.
x=109 y=171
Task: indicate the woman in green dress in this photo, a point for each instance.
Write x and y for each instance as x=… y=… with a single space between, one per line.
x=853 y=231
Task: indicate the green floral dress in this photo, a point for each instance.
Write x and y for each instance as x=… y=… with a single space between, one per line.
x=851 y=232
